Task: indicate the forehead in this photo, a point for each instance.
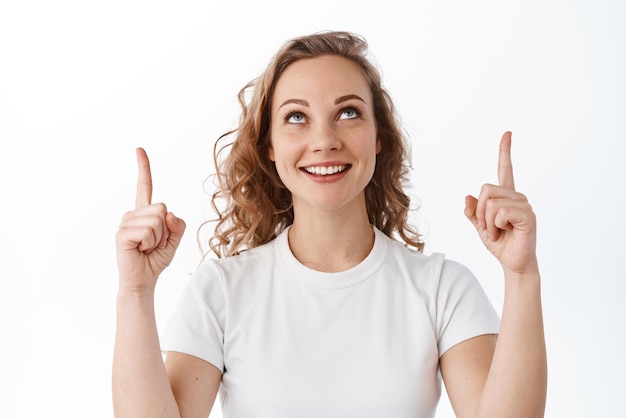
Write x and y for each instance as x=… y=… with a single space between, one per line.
x=321 y=78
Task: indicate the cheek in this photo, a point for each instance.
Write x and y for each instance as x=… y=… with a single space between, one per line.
x=276 y=156
x=283 y=175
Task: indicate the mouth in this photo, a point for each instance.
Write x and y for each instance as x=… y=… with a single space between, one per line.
x=326 y=170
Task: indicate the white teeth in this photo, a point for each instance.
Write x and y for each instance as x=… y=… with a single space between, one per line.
x=324 y=171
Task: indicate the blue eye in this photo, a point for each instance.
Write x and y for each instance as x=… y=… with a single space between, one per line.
x=349 y=113
x=295 y=117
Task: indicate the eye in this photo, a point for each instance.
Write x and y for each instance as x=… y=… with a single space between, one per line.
x=349 y=113
x=295 y=117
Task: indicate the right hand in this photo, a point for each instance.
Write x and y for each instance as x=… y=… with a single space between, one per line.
x=147 y=237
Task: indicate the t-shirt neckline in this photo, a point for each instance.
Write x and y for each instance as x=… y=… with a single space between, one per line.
x=336 y=280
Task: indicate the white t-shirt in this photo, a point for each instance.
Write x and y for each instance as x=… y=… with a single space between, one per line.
x=295 y=342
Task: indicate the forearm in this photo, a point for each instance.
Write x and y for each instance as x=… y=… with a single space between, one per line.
x=517 y=380
x=140 y=384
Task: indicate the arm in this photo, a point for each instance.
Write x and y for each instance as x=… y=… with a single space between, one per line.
x=504 y=379
x=507 y=378
x=140 y=383
x=146 y=242
x=194 y=382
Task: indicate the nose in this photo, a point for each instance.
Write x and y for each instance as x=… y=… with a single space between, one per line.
x=325 y=138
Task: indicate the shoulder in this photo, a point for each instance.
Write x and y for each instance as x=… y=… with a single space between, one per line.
x=234 y=272
x=432 y=273
x=248 y=259
x=435 y=264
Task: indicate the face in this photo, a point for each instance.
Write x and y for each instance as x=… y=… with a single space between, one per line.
x=323 y=134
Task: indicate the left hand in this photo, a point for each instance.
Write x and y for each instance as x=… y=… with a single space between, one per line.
x=504 y=219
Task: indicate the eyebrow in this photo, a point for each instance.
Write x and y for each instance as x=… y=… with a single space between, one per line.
x=338 y=100
x=296 y=101
x=348 y=97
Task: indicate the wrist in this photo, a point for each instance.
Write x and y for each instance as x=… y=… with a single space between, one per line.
x=527 y=282
x=528 y=270
x=135 y=294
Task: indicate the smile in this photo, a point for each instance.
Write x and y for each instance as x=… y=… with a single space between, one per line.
x=326 y=171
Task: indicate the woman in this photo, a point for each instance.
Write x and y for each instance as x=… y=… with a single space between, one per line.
x=316 y=310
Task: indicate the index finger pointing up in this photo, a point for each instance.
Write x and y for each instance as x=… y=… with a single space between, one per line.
x=505 y=166
x=144 y=180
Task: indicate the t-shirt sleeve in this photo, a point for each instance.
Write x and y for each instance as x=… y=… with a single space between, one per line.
x=463 y=309
x=198 y=322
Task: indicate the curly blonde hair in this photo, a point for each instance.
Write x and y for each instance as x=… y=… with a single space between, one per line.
x=256 y=204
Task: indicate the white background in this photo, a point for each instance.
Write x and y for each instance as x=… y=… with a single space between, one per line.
x=84 y=83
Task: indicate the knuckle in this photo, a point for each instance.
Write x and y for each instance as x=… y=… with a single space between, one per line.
x=160 y=208
x=128 y=215
x=119 y=235
x=154 y=222
x=147 y=237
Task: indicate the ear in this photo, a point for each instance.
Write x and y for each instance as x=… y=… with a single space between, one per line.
x=379 y=146
x=270 y=153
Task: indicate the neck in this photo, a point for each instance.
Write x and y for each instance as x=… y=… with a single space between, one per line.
x=331 y=243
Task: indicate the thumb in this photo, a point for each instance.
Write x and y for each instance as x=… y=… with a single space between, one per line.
x=176 y=226
x=470 y=210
